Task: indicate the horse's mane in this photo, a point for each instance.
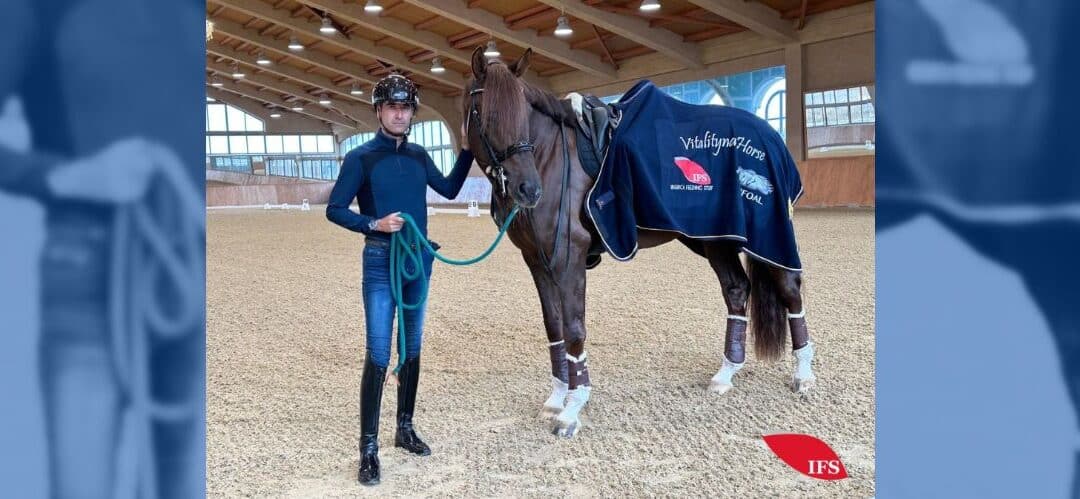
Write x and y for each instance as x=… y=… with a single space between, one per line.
x=501 y=106
x=549 y=105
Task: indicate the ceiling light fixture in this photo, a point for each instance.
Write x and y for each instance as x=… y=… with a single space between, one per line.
x=492 y=50
x=562 y=27
x=436 y=66
x=327 y=26
x=356 y=89
x=649 y=6
x=294 y=44
x=262 y=60
x=372 y=7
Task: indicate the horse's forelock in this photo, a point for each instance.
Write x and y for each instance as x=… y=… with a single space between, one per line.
x=504 y=107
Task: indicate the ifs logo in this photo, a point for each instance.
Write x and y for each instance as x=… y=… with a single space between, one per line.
x=807 y=455
x=694 y=173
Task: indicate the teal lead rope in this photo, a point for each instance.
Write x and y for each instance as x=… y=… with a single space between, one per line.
x=409 y=245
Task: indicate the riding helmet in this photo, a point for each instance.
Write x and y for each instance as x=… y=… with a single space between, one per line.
x=395 y=88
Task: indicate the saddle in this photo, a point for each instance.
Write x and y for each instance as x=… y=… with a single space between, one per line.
x=596 y=124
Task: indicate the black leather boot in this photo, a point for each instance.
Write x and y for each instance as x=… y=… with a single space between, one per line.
x=371 y=387
x=406 y=437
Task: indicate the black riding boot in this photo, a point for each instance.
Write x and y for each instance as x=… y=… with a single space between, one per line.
x=406 y=436
x=371 y=386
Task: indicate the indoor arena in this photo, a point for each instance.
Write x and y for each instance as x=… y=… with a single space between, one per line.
x=290 y=87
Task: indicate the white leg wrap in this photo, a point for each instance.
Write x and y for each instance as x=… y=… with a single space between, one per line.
x=575 y=402
x=558 y=395
x=803 y=378
x=803 y=357
x=721 y=381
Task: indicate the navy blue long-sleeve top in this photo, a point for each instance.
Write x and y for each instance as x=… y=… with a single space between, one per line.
x=385 y=178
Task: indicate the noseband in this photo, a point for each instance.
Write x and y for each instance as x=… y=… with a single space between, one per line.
x=494 y=170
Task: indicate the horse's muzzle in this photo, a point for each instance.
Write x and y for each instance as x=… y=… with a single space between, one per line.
x=528 y=194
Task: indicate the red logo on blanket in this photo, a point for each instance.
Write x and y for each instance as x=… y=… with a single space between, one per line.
x=693 y=172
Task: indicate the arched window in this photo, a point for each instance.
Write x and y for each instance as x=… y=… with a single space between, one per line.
x=236 y=141
x=773 y=106
x=431 y=135
x=225 y=118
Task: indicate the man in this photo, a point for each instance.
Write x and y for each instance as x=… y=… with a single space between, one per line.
x=388 y=176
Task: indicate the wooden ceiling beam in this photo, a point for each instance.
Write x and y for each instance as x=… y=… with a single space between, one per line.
x=819 y=7
x=635 y=30
x=551 y=48
x=756 y=17
x=357 y=44
x=401 y=30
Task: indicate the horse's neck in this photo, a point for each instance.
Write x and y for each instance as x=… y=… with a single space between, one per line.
x=548 y=142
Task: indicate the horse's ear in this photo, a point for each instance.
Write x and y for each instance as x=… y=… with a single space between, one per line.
x=479 y=63
x=519 y=67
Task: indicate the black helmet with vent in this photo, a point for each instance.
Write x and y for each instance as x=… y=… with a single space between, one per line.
x=395 y=88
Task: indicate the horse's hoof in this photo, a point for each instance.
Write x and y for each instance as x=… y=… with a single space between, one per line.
x=549 y=413
x=719 y=387
x=802 y=385
x=566 y=430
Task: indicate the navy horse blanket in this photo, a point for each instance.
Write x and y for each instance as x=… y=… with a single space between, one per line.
x=706 y=172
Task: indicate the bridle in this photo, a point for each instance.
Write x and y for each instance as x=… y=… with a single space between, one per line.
x=494 y=169
x=497 y=174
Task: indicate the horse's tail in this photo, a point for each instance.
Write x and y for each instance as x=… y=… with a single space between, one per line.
x=768 y=315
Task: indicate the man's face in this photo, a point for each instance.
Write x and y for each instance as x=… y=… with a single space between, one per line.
x=395 y=117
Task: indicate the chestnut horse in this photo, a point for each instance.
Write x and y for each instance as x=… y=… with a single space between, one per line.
x=524 y=139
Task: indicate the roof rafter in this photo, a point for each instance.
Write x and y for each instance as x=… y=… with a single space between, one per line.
x=406 y=32
x=263 y=10
x=488 y=22
x=271 y=98
x=633 y=29
x=349 y=108
x=754 y=16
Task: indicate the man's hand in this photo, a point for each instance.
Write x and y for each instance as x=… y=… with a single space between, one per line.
x=464 y=138
x=118 y=174
x=390 y=223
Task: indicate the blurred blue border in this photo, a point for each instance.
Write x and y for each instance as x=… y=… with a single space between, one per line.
x=978 y=223
x=102 y=299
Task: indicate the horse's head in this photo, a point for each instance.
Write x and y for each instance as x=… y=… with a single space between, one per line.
x=497 y=126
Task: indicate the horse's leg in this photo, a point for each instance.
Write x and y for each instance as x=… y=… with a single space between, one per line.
x=572 y=288
x=790 y=285
x=550 y=304
x=724 y=259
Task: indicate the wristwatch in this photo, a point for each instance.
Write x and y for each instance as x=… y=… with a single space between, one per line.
x=372 y=225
